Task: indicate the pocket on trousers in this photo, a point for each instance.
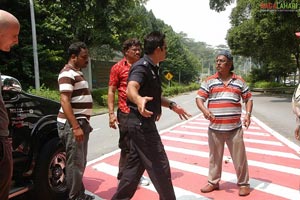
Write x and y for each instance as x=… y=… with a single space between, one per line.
x=61 y=130
x=85 y=125
x=60 y=126
x=135 y=130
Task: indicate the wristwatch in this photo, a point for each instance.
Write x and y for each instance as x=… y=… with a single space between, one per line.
x=172 y=104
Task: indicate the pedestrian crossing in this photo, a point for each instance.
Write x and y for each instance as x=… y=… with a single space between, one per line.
x=274 y=165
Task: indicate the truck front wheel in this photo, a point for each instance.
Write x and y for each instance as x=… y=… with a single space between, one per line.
x=50 y=176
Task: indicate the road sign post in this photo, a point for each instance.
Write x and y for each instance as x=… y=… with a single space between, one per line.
x=169 y=77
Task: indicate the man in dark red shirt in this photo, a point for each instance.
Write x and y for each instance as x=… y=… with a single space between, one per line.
x=118 y=82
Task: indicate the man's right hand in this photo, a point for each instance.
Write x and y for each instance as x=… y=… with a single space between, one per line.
x=112 y=120
x=78 y=134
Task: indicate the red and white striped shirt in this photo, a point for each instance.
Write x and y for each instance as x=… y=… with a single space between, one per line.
x=224 y=101
x=72 y=81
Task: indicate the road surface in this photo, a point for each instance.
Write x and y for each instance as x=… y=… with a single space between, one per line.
x=273 y=155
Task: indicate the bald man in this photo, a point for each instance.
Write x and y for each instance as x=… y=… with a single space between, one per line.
x=9 y=32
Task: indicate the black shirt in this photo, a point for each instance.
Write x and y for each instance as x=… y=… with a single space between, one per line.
x=147 y=75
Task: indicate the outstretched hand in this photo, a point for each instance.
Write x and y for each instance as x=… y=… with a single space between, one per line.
x=181 y=112
x=141 y=104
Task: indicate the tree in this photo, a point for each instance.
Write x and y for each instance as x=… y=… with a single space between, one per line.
x=267 y=37
x=219 y=5
x=102 y=24
x=58 y=23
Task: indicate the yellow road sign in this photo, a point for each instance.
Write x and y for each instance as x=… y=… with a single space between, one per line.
x=169 y=76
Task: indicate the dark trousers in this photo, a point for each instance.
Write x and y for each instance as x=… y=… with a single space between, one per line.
x=146 y=152
x=76 y=155
x=6 y=167
x=124 y=143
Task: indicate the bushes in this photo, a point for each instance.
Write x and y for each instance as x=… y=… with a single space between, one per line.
x=272 y=88
x=100 y=95
x=265 y=84
x=45 y=92
x=175 y=90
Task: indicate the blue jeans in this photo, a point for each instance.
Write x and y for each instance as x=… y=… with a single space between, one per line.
x=76 y=153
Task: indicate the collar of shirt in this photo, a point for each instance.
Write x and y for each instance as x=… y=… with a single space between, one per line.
x=68 y=66
x=154 y=68
x=216 y=75
x=148 y=59
x=125 y=62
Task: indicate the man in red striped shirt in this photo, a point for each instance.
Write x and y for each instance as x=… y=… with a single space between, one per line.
x=224 y=91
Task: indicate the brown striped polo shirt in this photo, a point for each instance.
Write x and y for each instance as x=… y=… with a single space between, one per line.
x=70 y=80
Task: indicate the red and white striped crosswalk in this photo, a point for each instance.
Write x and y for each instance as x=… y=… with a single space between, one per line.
x=274 y=166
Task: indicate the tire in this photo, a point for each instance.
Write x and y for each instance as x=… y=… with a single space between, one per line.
x=49 y=175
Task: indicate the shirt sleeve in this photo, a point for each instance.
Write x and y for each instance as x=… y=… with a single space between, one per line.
x=246 y=94
x=113 y=77
x=66 y=81
x=203 y=91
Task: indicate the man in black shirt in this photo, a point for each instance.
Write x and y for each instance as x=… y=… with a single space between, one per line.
x=144 y=96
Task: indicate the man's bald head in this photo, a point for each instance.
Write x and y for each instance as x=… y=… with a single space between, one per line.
x=9 y=30
x=7 y=19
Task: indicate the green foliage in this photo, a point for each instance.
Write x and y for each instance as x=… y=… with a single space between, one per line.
x=181 y=62
x=45 y=92
x=260 y=75
x=175 y=90
x=100 y=96
x=103 y=26
x=265 y=84
x=267 y=36
x=219 y=5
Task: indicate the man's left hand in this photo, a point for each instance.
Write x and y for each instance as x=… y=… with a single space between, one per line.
x=181 y=112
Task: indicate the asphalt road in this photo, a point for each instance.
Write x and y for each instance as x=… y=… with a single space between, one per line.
x=276 y=112
x=273 y=110
x=104 y=139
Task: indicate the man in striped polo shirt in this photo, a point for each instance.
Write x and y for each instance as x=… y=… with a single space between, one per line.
x=73 y=118
x=224 y=91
